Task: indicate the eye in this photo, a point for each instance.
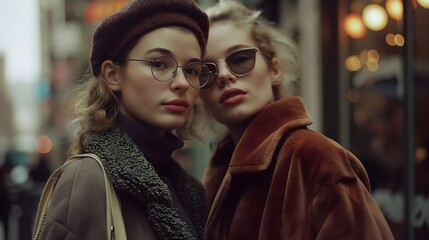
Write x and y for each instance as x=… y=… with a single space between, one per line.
x=159 y=64
x=239 y=57
x=192 y=72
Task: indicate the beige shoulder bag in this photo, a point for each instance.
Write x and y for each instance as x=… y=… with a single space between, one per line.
x=115 y=223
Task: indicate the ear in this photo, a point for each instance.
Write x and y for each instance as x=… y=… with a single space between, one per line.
x=276 y=72
x=110 y=72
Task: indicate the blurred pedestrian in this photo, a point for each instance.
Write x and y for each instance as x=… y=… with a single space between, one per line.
x=5 y=199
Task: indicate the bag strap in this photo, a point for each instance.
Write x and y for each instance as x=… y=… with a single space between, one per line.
x=115 y=224
x=118 y=228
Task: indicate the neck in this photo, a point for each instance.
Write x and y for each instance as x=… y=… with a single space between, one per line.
x=237 y=130
x=134 y=118
x=156 y=148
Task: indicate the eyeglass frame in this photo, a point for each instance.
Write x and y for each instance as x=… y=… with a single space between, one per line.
x=174 y=72
x=229 y=68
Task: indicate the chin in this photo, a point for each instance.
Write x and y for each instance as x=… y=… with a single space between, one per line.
x=174 y=125
x=236 y=116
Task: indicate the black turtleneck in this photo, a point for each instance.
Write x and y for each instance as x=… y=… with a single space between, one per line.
x=157 y=149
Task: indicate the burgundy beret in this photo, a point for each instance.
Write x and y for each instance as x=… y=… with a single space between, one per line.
x=118 y=33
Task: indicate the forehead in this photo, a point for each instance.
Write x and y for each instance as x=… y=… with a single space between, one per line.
x=224 y=35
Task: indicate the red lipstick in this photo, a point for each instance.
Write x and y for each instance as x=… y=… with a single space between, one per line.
x=232 y=96
x=178 y=105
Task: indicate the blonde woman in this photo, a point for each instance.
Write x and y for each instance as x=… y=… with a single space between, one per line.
x=272 y=177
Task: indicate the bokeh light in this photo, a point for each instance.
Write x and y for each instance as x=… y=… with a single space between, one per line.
x=373 y=55
x=399 y=40
x=374 y=17
x=43 y=144
x=353 y=63
x=395 y=9
x=354 y=26
x=372 y=64
x=424 y=3
x=390 y=39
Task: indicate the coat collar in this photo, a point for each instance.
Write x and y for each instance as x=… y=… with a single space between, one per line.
x=255 y=149
x=132 y=174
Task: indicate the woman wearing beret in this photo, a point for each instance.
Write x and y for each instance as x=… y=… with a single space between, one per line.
x=146 y=73
x=272 y=177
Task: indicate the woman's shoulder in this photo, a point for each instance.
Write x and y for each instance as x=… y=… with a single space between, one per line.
x=83 y=169
x=81 y=179
x=78 y=200
x=311 y=143
x=323 y=158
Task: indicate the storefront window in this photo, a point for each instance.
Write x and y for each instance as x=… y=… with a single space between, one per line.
x=374 y=64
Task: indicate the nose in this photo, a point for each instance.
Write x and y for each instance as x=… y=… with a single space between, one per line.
x=179 y=82
x=225 y=75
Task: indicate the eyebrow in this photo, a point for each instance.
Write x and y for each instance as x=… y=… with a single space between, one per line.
x=167 y=52
x=161 y=50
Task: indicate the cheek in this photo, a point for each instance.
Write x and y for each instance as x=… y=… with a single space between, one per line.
x=193 y=94
x=136 y=89
x=263 y=80
x=261 y=76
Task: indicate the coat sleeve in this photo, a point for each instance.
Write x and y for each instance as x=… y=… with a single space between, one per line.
x=77 y=210
x=342 y=206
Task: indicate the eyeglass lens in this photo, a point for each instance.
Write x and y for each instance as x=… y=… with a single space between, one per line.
x=165 y=68
x=239 y=63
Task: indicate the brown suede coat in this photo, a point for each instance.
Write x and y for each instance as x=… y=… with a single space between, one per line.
x=314 y=189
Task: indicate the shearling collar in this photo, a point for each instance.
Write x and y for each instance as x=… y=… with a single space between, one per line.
x=255 y=149
x=131 y=173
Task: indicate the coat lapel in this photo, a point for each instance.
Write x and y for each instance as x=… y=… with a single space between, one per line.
x=254 y=151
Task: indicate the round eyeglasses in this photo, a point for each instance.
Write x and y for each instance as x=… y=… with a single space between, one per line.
x=164 y=68
x=239 y=63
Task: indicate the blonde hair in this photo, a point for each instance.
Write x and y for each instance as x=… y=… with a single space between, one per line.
x=96 y=107
x=267 y=37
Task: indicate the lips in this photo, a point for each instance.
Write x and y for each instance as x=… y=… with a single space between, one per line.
x=230 y=94
x=177 y=105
